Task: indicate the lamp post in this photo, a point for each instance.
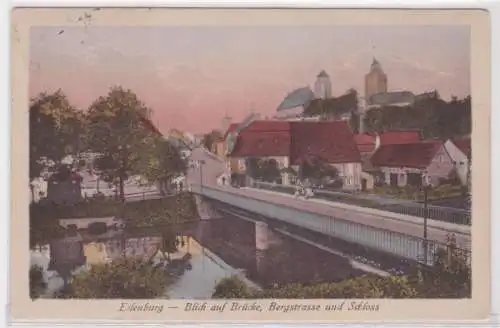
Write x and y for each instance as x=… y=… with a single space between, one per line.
x=426 y=215
x=201 y=163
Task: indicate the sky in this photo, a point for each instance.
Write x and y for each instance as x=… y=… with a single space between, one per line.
x=191 y=77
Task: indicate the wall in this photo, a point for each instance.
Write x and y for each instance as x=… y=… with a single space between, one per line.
x=401 y=172
x=440 y=167
x=64 y=192
x=351 y=173
x=460 y=159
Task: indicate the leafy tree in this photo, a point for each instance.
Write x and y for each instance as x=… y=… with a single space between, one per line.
x=316 y=169
x=333 y=108
x=121 y=133
x=124 y=278
x=435 y=117
x=164 y=163
x=37 y=283
x=269 y=170
x=252 y=167
x=56 y=130
x=210 y=138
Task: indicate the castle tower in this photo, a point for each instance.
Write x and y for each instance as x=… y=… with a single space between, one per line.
x=226 y=121
x=375 y=80
x=322 y=86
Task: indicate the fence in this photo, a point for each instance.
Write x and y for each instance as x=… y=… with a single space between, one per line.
x=403 y=207
x=402 y=245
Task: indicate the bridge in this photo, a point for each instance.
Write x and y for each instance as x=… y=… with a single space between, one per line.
x=393 y=233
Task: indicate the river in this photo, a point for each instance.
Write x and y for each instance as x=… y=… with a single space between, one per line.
x=260 y=255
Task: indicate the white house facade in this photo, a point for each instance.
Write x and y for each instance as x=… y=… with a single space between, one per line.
x=460 y=160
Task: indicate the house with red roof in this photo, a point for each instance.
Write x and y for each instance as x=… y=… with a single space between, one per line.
x=460 y=153
x=290 y=142
x=369 y=142
x=414 y=164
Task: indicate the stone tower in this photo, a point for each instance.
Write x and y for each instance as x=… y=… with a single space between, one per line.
x=322 y=86
x=375 y=80
x=226 y=122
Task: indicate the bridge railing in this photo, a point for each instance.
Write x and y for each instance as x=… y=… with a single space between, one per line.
x=398 y=244
x=403 y=207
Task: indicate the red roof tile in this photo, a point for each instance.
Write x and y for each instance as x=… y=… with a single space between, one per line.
x=332 y=141
x=365 y=142
x=262 y=144
x=463 y=144
x=414 y=155
x=399 y=137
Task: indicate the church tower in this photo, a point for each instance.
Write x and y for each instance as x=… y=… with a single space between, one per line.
x=322 y=86
x=375 y=80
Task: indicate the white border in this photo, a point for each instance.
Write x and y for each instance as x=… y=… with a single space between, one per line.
x=5 y=117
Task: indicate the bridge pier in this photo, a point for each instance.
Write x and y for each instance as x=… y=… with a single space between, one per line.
x=205 y=210
x=261 y=245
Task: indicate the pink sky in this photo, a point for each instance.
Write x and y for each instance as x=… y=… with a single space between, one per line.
x=191 y=76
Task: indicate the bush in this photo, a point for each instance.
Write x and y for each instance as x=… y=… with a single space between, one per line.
x=123 y=278
x=232 y=287
x=97 y=228
x=37 y=282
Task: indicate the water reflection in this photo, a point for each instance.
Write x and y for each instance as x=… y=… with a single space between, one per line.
x=202 y=253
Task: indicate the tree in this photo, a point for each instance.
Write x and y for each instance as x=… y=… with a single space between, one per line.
x=56 y=130
x=269 y=170
x=333 y=108
x=252 y=167
x=316 y=169
x=164 y=163
x=119 y=131
x=210 y=138
x=433 y=116
x=37 y=282
x=124 y=278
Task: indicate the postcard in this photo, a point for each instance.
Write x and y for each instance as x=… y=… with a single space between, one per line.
x=250 y=165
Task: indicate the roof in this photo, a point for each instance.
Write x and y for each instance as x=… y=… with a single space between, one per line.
x=414 y=155
x=463 y=144
x=330 y=140
x=298 y=98
x=322 y=74
x=366 y=141
x=263 y=138
x=375 y=65
x=399 y=137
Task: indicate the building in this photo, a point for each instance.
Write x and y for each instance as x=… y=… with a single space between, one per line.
x=375 y=80
x=368 y=143
x=292 y=107
x=322 y=86
x=288 y=142
x=416 y=164
x=460 y=153
x=218 y=147
x=377 y=94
